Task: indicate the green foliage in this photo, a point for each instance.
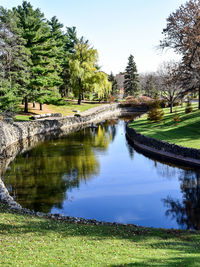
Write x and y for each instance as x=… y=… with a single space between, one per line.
x=115 y=87
x=38 y=58
x=131 y=78
x=14 y=59
x=42 y=41
x=156 y=113
x=84 y=74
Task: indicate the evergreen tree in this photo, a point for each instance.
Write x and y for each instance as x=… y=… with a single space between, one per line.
x=14 y=60
x=115 y=87
x=131 y=78
x=43 y=68
x=69 y=41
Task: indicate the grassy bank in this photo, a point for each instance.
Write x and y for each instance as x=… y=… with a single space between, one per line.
x=186 y=132
x=66 y=109
x=31 y=241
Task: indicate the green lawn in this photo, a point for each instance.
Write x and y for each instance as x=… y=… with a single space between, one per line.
x=31 y=241
x=185 y=133
x=66 y=109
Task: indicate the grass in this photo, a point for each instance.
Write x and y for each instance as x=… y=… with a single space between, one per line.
x=186 y=132
x=31 y=241
x=66 y=109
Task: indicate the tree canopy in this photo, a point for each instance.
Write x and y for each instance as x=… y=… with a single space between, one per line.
x=40 y=60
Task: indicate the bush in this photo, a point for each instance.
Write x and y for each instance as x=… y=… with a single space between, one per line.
x=143 y=101
x=188 y=108
x=156 y=113
x=111 y=99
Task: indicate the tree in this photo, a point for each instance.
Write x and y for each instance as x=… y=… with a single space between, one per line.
x=43 y=68
x=69 y=41
x=115 y=87
x=172 y=89
x=84 y=73
x=150 y=87
x=14 y=59
x=131 y=78
x=182 y=34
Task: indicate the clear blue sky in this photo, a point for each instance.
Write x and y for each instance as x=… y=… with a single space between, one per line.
x=116 y=28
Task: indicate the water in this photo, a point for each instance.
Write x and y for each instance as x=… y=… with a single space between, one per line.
x=95 y=173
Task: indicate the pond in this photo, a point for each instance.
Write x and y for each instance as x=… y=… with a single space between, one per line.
x=96 y=174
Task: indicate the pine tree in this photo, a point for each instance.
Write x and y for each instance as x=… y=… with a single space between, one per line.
x=41 y=45
x=14 y=58
x=69 y=41
x=131 y=78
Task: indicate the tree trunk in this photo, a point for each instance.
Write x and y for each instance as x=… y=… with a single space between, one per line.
x=34 y=104
x=26 y=104
x=171 y=107
x=82 y=96
x=199 y=97
x=79 y=99
x=80 y=93
x=40 y=106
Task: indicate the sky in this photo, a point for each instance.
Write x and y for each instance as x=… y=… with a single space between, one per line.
x=116 y=28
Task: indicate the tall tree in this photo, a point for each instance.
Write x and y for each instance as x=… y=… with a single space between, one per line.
x=131 y=78
x=14 y=60
x=84 y=74
x=182 y=34
x=172 y=89
x=69 y=41
x=36 y=32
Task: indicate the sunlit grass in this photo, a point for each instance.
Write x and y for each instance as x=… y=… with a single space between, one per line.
x=186 y=132
x=31 y=241
x=67 y=109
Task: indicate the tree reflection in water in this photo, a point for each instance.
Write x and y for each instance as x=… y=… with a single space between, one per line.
x=187 y=212
x=39 y=179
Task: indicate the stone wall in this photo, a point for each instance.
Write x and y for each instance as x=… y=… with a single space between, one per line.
x=162 y=147
x=13 y=132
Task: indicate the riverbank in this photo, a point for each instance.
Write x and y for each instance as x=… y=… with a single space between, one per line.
x=184 y=132
x=31 y=241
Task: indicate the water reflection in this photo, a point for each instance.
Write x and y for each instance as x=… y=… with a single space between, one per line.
x=96 y=173
x=39 y=179
x=186 y=211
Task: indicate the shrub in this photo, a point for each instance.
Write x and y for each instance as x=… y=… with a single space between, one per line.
x=156 y=113
x=188 y=108
x=111 y=98
x=143 y=101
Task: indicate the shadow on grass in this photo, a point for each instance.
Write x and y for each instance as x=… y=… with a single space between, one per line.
x=187 y=261
x=167 y=242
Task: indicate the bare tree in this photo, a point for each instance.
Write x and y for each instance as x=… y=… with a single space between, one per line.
x=182 y=34
x=172 y=89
